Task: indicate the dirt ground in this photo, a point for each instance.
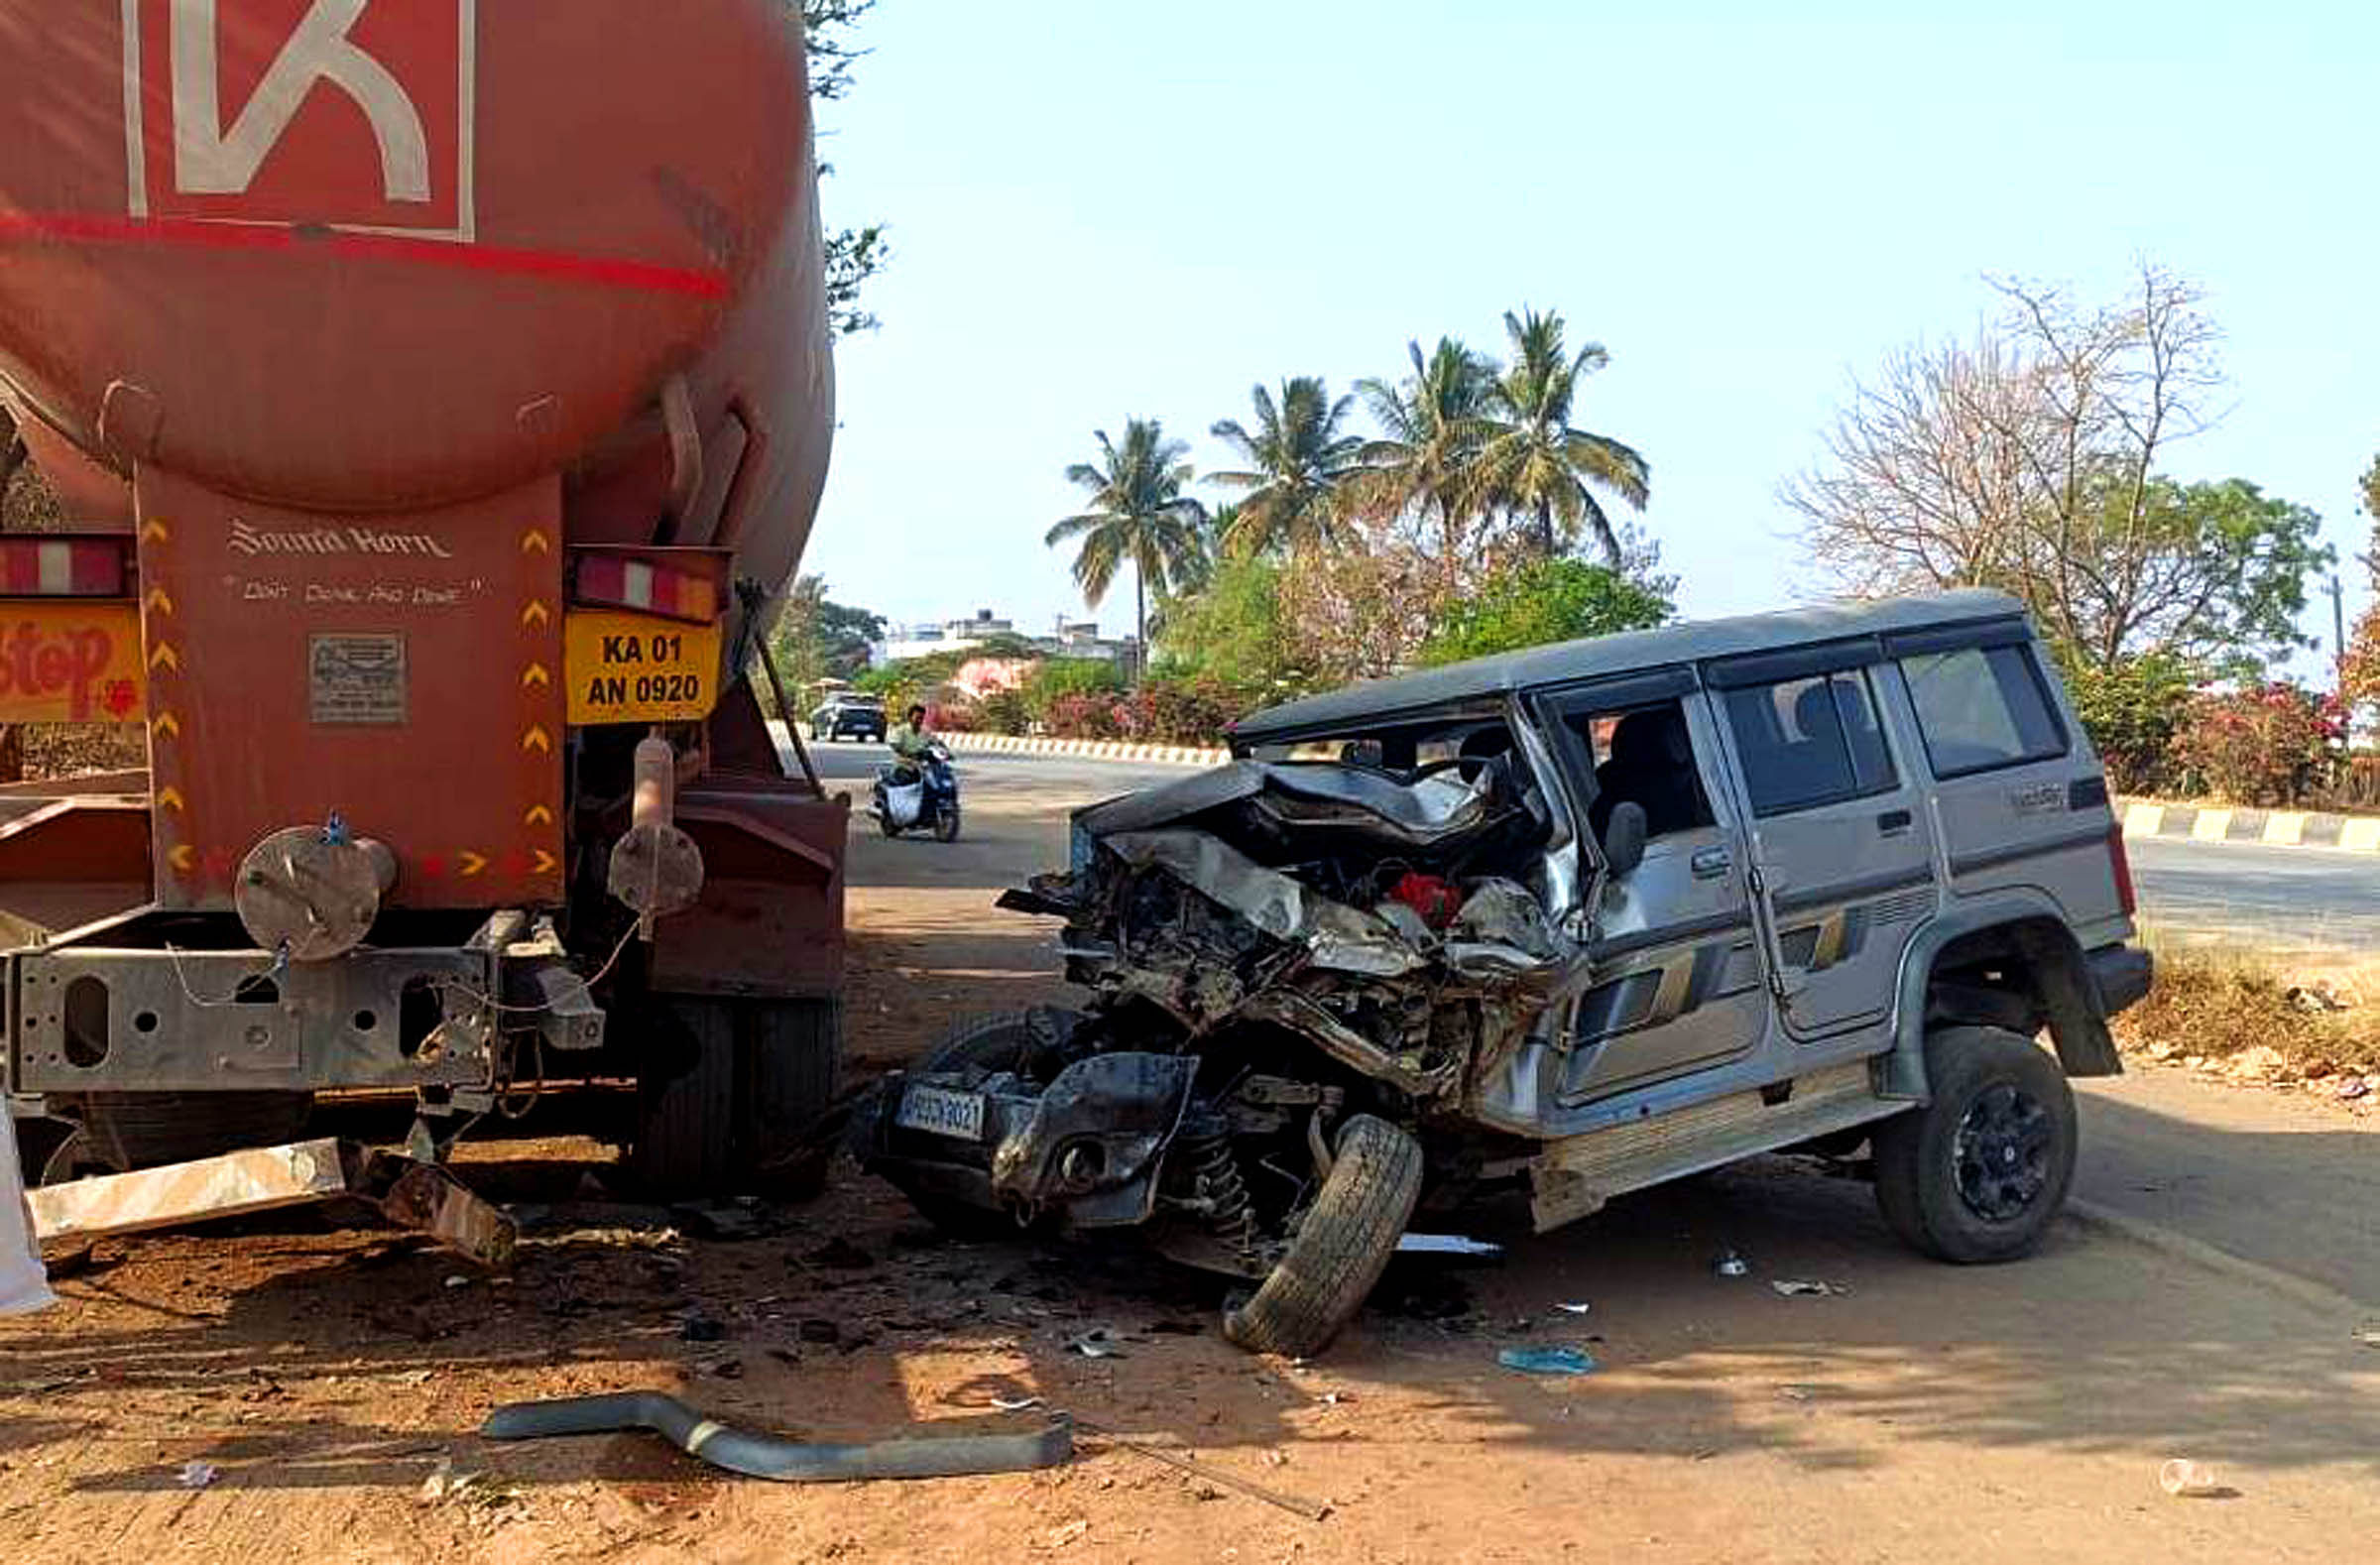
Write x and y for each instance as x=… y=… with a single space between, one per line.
x=2019 y=1412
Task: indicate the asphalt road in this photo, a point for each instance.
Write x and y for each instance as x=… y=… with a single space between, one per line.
x=2281 y=901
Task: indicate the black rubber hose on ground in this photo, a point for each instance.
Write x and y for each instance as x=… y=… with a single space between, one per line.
x=787 y=1461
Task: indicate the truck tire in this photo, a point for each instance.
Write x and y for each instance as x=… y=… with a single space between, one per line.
x=147 y=1129
x=729 y=1088
x=1340 y=1249
x=685 y=1099
x=1977 y=1175
x=794 y=1069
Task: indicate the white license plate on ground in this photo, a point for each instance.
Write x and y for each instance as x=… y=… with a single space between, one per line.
x=938 y=1112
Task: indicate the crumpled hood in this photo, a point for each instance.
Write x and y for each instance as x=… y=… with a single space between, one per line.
x=1320 y=799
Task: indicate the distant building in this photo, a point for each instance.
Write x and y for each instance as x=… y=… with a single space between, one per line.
x=1070 y=638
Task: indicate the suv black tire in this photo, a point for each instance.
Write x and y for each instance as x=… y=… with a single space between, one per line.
x=1977 y=1175
x=1339 y=1252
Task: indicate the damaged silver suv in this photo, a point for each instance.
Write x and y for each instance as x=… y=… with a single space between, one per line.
x=1589 y=918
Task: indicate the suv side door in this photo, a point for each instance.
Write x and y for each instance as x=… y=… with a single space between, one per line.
x=1677 y=980
x=1842 y=842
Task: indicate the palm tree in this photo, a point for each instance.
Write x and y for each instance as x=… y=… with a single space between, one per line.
x=1534 y=463
x=1434 y=425
x=1138 y=516
x=1194 y=572
x=1298 y=462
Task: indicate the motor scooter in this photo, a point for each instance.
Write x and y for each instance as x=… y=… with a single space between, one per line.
x=924 y=797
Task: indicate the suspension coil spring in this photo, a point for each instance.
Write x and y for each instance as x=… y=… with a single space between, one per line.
x=1231 y=1215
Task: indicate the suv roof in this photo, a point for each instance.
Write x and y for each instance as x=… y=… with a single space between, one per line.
x=1688 y=642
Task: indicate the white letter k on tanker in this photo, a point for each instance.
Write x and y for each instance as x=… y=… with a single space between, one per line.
x=210 y=161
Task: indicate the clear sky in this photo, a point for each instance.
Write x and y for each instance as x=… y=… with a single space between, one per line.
x=1105 y=208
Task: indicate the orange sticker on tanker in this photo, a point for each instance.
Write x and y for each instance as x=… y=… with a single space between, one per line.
x=70 y=663
x=624 y=667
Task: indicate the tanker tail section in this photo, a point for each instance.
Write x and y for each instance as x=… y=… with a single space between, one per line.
x=439 y=804
x=432 y=454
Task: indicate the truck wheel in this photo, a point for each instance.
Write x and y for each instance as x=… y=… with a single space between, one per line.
x=794 y=1068
x=1977 y=1175
x=146 y=1130
x=728 y=1090
x=686 y=1098
x=1340 y=1249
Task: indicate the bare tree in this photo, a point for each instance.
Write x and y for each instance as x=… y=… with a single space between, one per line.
x=1927 y=483
x=2029 y=460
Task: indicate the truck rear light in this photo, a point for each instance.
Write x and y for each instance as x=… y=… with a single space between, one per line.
x=62 y=568
x=616 y=581
x=2119 y=858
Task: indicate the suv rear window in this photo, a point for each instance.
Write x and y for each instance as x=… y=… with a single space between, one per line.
x=1980 y=708
x=1809 y=742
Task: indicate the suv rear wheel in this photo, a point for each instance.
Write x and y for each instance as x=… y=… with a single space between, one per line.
x=1977 y=1175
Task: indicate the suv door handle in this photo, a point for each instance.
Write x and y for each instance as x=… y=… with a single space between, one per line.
x=1893 y=822
x=1711 y=864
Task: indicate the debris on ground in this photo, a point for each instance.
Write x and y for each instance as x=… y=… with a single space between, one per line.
x=1579 y=1308
x=2187 y=1480
x=1548 y=1361
x=1805 y=1288
x=1448 y=1245
x=1311 y=1510
x=1728 y=1263
x=840 y=1254
x=197 y=1475
x=444 y=1482
x=1098 y=1343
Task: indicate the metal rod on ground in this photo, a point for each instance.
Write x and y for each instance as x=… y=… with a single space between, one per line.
x=1311 y=1510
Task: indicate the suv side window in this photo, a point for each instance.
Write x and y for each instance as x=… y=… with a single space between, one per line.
x=1980 y=708
x=1643 y=754
x=1809 y=742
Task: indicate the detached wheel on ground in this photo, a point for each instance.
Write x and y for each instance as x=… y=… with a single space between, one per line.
x=727 y=1089
x=1340 y=1249
x=1977 y=1175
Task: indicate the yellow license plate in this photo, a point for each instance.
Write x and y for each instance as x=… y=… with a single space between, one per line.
x=627 y=667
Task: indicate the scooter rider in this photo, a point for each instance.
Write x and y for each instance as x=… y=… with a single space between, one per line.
x=911 y=744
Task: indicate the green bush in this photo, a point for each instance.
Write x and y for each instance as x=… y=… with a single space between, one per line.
x=2272 y=745
x=1084 y=716
x=1194 y=711
x=1542 y=601
x=1005 y=712
x=1060 y=679
x=2132 y=712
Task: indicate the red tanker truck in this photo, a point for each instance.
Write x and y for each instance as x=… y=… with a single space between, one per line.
x=437 y=393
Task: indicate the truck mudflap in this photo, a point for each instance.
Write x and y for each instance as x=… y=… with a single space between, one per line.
x=1090 y=1145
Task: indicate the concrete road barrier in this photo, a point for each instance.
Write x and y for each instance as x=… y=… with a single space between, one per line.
x=1086 y=749
x=2266 y=828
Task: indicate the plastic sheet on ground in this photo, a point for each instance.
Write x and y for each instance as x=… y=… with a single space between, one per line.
x=23 y=1287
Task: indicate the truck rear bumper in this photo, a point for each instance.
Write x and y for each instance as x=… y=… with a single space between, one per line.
x=129 y=1008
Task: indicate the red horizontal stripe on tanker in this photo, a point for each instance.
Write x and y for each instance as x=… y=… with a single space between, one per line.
x=637 y=276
